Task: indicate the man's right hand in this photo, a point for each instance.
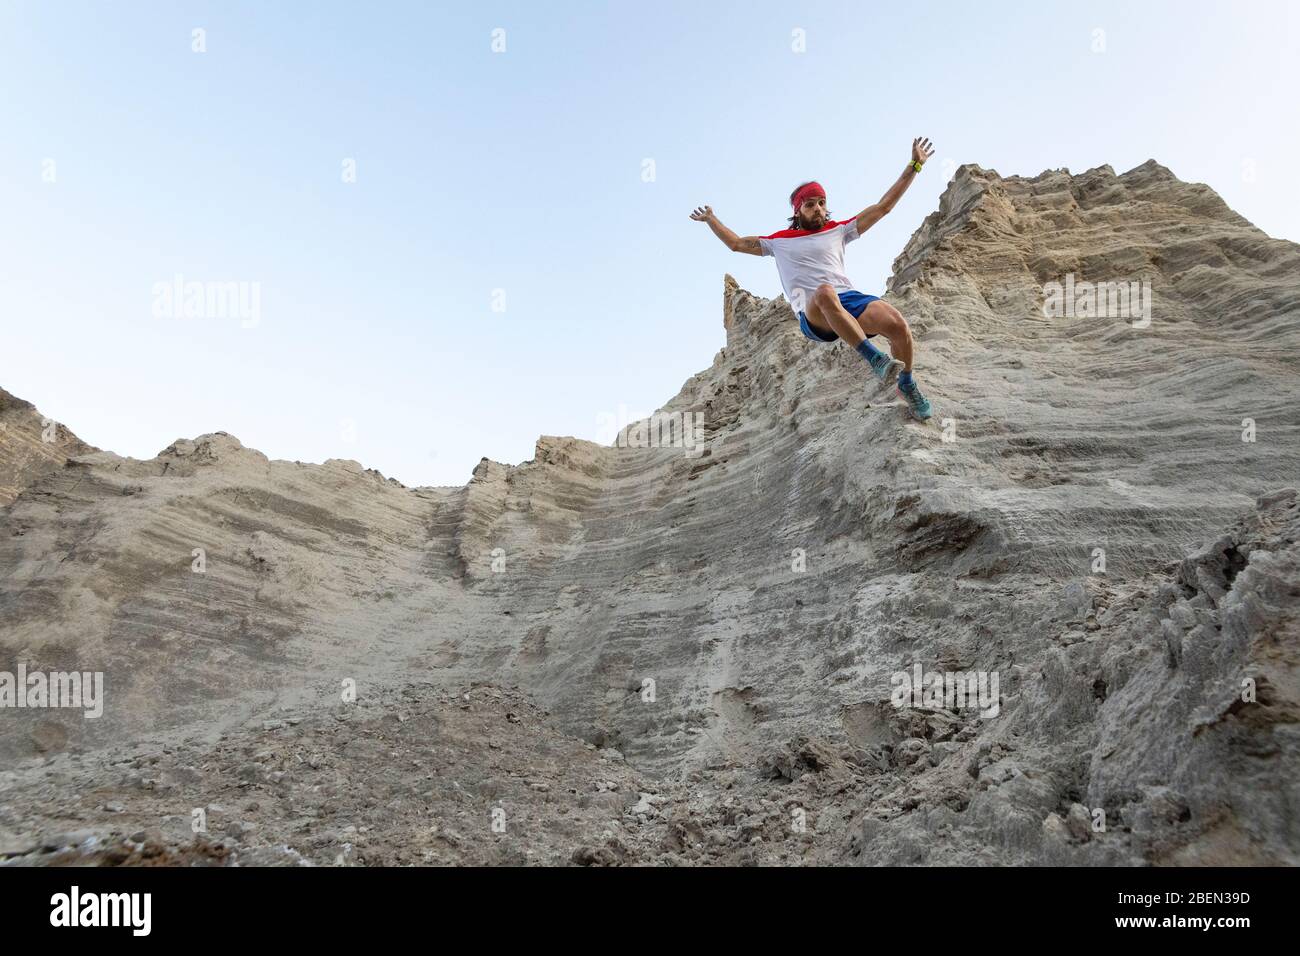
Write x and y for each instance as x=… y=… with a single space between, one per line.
x=749 y=244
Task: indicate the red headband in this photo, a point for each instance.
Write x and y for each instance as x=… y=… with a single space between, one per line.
x=807 y=192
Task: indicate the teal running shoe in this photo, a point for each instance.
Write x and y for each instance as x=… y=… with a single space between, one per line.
x=886 y=368
x=917 y=403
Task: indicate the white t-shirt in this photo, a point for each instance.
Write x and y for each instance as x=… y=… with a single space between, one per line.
x=805 y=260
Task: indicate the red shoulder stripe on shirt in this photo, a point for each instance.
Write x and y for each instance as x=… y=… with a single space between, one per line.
x=795 y=233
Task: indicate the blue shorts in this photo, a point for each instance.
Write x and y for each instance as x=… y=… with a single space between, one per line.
x=854 y=302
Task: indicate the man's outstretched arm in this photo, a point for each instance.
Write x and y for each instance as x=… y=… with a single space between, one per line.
x=921 y=151
x=733 y=242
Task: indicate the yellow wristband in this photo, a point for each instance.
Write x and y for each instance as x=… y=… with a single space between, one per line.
x=916 y=166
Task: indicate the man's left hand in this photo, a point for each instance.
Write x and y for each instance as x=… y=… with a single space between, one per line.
x=921 y=150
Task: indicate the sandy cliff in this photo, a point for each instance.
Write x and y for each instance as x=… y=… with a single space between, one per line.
x=767 y=583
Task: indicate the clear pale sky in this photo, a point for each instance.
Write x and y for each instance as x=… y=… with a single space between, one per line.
x=523 y=171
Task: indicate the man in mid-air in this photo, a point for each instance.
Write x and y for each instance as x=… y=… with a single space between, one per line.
x=810 y=261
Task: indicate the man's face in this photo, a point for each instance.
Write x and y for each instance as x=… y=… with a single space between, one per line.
x=812 y=214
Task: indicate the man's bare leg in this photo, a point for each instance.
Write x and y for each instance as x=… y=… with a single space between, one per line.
x=826 y=313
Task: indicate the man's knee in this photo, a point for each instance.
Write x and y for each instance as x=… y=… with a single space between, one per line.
x=887 y=318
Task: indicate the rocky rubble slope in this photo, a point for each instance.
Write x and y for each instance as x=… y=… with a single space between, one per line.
x=1100 y=515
